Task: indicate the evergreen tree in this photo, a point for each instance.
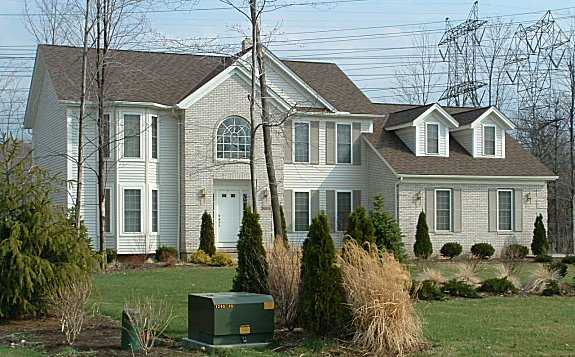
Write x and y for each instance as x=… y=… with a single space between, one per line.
x=252 y=270
x=207 y=241
x=422 y=247
x=540 y=244
x=360 y=227
x=388 y=235
x=284 y=227
x=40 y=248
x=323 y=309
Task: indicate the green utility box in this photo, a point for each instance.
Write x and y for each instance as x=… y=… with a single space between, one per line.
x=222 y=320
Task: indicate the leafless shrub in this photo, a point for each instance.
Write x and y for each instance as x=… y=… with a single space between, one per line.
x=377 y=289
x=467 y=272
x=540 y=278
x=284 y=281
x=508 y=272
x=69 y=304
x=149 y=318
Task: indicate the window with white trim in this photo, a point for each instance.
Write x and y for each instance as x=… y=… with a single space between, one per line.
x=154 y=137
x=343 y=209
x=132 y=210
x=489 y=140
x=301 y=141
x=154 y=205
x=432 y=138
x=108 y=209
x=343 y=133
x=443 y=210
x=504 y=210
x=234 y=139
x=132 y=134
x=301 y=211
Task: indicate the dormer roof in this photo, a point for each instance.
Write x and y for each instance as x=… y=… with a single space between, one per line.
x=413 y=116
x=471 y=117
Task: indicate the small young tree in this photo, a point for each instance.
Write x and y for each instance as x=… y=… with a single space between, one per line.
x=207 y=242
x=252 y=270
x=540 y=244
x=422 y=247
x=40 y=248
x=360 y=227
x=323 y=309
x=388 y=235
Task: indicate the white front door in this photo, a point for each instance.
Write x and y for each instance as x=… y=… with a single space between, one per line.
x=229 y=217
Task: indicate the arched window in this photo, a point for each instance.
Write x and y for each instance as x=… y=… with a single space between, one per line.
x=234 y=139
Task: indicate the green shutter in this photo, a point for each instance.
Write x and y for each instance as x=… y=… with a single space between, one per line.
x=314 y=142
x=492 y=202
x=288 y=213
x=288 y=142
x=356 y=199
x=518 y=207
x=457 y=210
x=330 y=143
x=330 y=208
x=430 y=208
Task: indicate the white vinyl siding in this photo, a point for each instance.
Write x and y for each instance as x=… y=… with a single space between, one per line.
x=343 y=209
x=301 y=141
x=504 y=210
x=132 y=135
x=132 y=210
x=432 y=138
x=343 y=139
x=301 y=211
x=443 y=210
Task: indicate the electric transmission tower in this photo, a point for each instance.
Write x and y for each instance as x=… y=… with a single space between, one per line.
x=461 y=47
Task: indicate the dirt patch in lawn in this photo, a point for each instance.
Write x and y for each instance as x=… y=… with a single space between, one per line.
x=101 y=336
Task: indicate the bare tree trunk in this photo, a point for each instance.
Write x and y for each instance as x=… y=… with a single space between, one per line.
x=79 y=176
x=571 y=244
x=253 y=127
x=266 y=127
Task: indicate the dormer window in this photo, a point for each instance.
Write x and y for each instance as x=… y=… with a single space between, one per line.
x=489 y=140
x=432 y=135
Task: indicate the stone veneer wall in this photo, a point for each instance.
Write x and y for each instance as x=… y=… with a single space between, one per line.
x=474 y=211
x=199 y=167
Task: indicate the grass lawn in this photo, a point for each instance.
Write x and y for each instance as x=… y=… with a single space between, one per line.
x=19 y=352
x=493 y=326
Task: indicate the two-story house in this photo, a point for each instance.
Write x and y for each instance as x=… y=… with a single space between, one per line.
x=180 y=141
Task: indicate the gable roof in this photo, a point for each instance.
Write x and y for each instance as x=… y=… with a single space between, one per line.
x=168 y=78
x=413 y=116
x=468 y=117
x=517 y=162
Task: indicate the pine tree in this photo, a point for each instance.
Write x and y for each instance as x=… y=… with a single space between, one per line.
x=323 y=309
x=388 y=234
x=252 y=270
x=540 y=244
x=360 y=227
x=40 y=248
x=207 y=241
x=422 y=247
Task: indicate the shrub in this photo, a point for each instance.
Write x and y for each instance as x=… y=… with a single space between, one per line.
x=497 y=286
x=422 y=247
x=540 y=244
x=69 y=302
x=460 y=288
x=377 y=289
x=467 y=272
x=149 y=318
x=111 y=255
x=207 y=240
x=41 y=250
x=539 y=279
x=427 y=290
x=360 y=227
x=451 y=250
x=509 y=272
x=323 y=309
x=221 y=260
x=543 y=258
x=568 y=259
x=388 y=235
x=252 y=270
x=482 y=250
x=516 y=251
x=200 y=257
x=164 y=253
x=284 y=282
x=559 y=267
x=551 y=288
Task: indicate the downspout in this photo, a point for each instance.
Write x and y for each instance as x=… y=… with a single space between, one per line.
x=178 y=119
x=397 y=198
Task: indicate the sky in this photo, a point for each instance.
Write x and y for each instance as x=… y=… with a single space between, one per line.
x=368 y=39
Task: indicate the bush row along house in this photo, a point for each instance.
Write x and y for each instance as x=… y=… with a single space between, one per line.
x=180 y=141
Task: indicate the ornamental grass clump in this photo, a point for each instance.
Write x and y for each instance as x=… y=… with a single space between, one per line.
x=377 y=289
x=432 y=275
x=467 y=272
x=508 y=272
x=540 y=279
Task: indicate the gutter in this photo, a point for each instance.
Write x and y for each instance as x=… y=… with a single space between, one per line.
x=465 y=177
